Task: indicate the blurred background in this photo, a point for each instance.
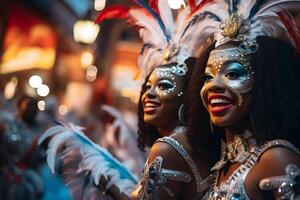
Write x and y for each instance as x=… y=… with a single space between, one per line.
x=52 y=48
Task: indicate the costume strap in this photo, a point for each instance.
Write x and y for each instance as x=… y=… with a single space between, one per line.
x=155 y=178
x=186 y=156
x=276 y=143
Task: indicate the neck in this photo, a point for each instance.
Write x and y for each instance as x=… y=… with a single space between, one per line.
x=166 y=130
x=237 y=129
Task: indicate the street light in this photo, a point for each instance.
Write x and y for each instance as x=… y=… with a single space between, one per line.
x=85 y=31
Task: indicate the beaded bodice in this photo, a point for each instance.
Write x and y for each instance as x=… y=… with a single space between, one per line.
x=234 y=187
x=155 y=176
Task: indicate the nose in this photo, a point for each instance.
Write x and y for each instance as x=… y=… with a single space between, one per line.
x=150 y=93
x=216 y=86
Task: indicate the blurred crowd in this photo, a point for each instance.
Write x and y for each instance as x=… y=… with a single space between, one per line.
x=24 y=173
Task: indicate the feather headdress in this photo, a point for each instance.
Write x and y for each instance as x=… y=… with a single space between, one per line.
x=166 y=40
x=244 y=20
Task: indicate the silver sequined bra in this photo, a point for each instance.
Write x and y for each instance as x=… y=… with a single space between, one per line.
x=155 y=177
x=234 y=187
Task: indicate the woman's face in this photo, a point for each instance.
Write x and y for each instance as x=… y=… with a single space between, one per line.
x=162 y=97
x=228 y=82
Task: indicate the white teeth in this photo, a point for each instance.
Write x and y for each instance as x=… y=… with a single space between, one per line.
x=149 y=104
x=219 y=100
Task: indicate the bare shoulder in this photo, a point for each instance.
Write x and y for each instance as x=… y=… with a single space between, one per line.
x=171 y=157
x=274 y=161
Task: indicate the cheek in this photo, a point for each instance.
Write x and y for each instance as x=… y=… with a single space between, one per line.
x=247 y=100
x=242 y=85
x=143 y=98
x=168 y=97
x=204 y=95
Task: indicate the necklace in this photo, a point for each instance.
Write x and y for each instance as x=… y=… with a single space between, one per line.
x=237 y=151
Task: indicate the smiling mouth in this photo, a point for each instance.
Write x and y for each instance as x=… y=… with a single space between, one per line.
x=218 y=104
x=150 y=107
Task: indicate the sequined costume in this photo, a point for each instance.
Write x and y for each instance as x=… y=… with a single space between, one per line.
x=155 y=176
x=288 y=186
x=234 y=186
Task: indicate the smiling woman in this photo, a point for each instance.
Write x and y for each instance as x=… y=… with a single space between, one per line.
x=248 y=83
x=228 y=80
x=161 y=97
x=162 y=127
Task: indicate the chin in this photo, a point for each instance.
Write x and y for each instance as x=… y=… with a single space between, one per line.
x=221 y=121
x=150 y=119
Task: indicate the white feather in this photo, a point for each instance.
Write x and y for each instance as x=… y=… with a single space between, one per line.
x=181 y=23
x=112 y=111
x=245 y=7
x=150 y=31
x=166 y=15
x=279 y=5
x=92 y=159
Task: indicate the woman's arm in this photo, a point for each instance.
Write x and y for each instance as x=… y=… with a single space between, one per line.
x=273 y=171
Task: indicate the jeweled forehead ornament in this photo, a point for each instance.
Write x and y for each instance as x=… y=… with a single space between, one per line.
x=240 y=54
x=178 y=69
x=234 y=28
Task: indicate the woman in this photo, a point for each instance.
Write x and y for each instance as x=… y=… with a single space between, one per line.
x=171 y=171
x=161 y=100
x=250 y=92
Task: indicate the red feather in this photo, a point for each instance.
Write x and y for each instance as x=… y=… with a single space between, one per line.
x=192 y=5
x=154 y=5
x=291 y=28
x=113 y=12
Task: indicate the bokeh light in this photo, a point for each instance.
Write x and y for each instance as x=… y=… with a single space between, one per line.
x=35 y=81
x=43 y=90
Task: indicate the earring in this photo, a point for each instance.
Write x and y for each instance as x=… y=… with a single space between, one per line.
x=181 y=114
x=211 y=127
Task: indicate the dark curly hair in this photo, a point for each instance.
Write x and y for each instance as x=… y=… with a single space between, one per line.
x=147 y=133
x=205 y=143
x=274 y=111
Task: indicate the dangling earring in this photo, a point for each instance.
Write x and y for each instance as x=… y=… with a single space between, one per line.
x=181 y=114
x=211 y=127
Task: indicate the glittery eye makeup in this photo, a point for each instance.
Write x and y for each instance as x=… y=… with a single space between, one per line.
x=235 y=70
x=165 y=86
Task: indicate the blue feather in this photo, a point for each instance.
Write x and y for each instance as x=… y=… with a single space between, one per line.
x=113 y=163
x=143 y=4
